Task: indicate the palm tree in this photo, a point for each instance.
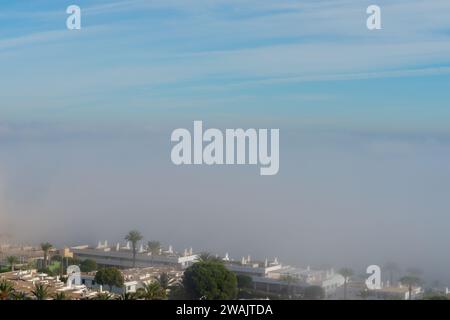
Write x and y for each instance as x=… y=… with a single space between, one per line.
x=60 y=296
x=205 y=256
x=346 y=273
x=20 y=295
x=208 y=257
x=127 y=296
x=103 y=296
x=12 y=261
x=391 y=268
x=364 y=294
x=6 y=290
x=291 y=281
x=134 y=236
x=153 y=291
x=165 y=281
x=46 y=247
x=410 y=281
x=416 y=272
x=40 y=291
x=153 y=246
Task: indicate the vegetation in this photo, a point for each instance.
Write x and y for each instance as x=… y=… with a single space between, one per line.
x=177 y=292
x=152 y=291
x=314 y=293
x=46 y=248
x=6 y=290
x=12 y=261
x=153 y=246
x=134 y=236
x=40 y=291
x=60 y=296
x=391 y=268
x=165 y=281
x=110 y=277
x=435 y=296
x=210 y=280
x=128 y=296
x=103 y=296
x=206 y=256
x=364 y=294
x=47 y=271
x=346 y=273
x=56 y=257
x=19 y=295
x=291 y=281
x=4 y=269
x=244 y=282
x=88 y=265
x=410 y=282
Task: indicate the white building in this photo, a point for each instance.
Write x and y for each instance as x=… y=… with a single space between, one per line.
x=122 y=257
x=88 y=280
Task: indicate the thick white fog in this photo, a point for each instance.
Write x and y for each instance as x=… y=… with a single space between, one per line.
x=340 y=199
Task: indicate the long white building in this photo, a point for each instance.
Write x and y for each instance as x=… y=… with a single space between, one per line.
x=122 y=257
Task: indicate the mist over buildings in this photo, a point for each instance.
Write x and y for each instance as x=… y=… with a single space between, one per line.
x=340 y=198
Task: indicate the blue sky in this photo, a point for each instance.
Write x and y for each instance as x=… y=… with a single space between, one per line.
x=314 y=60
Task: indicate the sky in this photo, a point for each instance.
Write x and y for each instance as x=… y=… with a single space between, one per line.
x=86 y=118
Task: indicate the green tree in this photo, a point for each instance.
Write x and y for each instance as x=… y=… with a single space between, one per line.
x=177 y=292
x=153 y=246
x=46 y=248
x=165 y=281
x=314 y=293
x=110 y=277
x=40 y=291
x=6 y=290
x=12 y=261
x=88 y=265
x=346 y=273
x=72 y=261
x=134 y=236
x=56 y=257
x=47 y=271
x=410 y=282
x=291 y=282
x=435 y=296
x=244 y=282
x=210 y=280
x=153 y=291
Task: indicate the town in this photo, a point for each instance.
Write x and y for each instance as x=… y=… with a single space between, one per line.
x=132 y=270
